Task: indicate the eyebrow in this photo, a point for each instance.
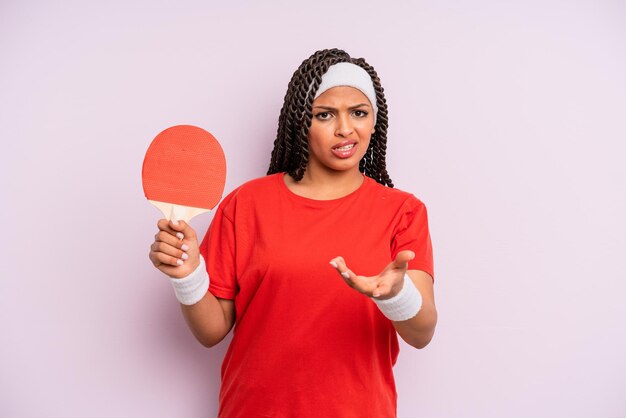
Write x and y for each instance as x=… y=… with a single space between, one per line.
x=332 y=108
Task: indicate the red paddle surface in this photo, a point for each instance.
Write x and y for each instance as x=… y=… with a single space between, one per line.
x=184 y=165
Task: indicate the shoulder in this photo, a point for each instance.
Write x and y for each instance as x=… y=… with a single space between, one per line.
x=394 y=198
x=249 y=191
x=257 y=185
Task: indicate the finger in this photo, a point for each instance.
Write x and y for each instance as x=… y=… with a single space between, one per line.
x=164 y=225
x=167 y=249
x=179 y=229
x=152 y=257
x=172 y=271
x=178 y=269
x=163 y=258
x=359 y=283
x=340 y=265
x=168 y=238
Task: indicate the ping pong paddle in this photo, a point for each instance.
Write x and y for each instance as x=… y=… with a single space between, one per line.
x=184 y=172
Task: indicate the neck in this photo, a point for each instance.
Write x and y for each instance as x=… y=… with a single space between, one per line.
x=326 y=185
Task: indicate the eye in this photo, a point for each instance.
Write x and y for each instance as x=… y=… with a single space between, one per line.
x=360 y=113
x=323 y=115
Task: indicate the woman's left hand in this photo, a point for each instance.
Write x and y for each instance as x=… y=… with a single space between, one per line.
x=384 y=285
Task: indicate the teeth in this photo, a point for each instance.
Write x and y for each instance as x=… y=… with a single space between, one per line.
x=346 y=148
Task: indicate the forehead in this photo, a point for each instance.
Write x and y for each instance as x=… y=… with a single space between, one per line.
x=341 y=95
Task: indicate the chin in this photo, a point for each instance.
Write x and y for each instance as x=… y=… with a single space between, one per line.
x=344 y=167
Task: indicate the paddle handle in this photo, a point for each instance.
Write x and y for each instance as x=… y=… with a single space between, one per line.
x=176 y=212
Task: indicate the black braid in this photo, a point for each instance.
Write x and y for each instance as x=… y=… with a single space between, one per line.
x=291 y=146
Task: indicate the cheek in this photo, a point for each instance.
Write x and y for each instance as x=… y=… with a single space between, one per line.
x=364 y=149
x=366 y=134
x=319 y=136
x=315 y=144
x=366 y=144
x=313 y=137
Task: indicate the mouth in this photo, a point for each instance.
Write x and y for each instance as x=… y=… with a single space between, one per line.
x=346 y=149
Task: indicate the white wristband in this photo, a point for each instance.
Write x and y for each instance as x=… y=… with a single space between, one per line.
x=192 y=288
x=405 y=305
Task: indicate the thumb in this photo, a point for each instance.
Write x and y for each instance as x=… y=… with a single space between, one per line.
x=177 y=225
x=403 y=257
x=183 y=228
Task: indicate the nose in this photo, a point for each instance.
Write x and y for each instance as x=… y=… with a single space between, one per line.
x=344 y=125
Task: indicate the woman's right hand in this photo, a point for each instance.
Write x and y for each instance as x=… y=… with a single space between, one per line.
x=175 y=249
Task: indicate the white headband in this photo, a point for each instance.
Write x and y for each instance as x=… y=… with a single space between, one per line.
x=351 y=75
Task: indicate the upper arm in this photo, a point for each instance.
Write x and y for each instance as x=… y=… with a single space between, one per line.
x=411 y=232
x=228 y=307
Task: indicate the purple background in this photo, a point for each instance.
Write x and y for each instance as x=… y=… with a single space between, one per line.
x=506 y=119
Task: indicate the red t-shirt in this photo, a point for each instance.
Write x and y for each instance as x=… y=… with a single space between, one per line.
x=305 y=344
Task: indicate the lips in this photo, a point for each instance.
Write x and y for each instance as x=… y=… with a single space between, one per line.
x=345 y=149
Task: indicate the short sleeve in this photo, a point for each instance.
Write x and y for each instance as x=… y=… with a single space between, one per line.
x=412 y=233
x=218 y=250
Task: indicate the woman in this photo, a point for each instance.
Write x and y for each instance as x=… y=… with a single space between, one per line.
x=318 y=265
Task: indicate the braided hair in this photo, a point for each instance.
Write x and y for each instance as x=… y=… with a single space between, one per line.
x=291 y=147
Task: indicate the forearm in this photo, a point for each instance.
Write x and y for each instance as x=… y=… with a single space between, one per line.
x=415 y=300
x=419 y=330
x=208 y=317
x=208 y=320
x=176 y=253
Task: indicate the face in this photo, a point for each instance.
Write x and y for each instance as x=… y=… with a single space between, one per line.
x=342 y=124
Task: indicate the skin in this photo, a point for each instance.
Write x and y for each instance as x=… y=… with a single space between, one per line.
x=339 y=114
x=211 y=318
